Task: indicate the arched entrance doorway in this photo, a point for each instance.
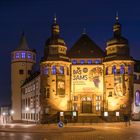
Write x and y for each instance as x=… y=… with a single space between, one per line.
x=86 y=105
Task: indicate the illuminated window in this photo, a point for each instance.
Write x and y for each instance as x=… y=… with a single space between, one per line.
x=17 y=55
x=61 y=70
x=105 y=114
x=23 y=55
x=75 y=107
x=53 y=69
x=98 y=98
x=114 y=70
x=97 y=61
x=106 y=70
x=82 y=61
x=29 y=56
x=129 y=69
x=89 y=61
x=137 y=98
x=98 y=106
x=46 y=70
x=74 y=62
x=122 y=69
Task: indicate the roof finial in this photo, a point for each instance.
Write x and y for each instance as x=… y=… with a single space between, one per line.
x=84 y=30
x=117 y=16
x=54 y=18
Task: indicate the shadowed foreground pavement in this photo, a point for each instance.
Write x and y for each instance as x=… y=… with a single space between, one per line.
x=103 y=131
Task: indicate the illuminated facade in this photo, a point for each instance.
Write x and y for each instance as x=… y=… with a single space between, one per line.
x=84 y=83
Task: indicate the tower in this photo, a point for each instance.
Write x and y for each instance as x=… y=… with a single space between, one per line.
x=55 y=76
x=22 y=60
x=118 y=73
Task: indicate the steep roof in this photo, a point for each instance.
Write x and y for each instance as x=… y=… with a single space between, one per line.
x=85 y=48
x=23 y=45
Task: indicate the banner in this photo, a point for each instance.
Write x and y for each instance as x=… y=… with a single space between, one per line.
x=60 y=84
x=87 y=78
x=119 y=85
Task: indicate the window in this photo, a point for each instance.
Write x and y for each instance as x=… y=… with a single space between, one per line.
x=74 y=62
x=98 y=98
x=29 y=72
x=46 y=70
x=21 y=71
x=23 y=55
x=129 y=69
x=89 y=61
x=98 y=106
x=110 y=94
x=106 y=71
x=67 y=71
x=75 y=98
x=48 y=93
x=137 y=98
x=75 y=107
x=135 y=77
x=53 y=69
x=114 y=70
x=122 y=69
x=29 y=56
x=61 y=70
x=82 y=61
x=17 y=55
x=97 y=61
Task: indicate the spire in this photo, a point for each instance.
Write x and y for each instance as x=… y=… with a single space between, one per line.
x=117 y=16
x=84 y=30
x=117 y=27
x=23 y=45
x=55 y=27
x=55 y=19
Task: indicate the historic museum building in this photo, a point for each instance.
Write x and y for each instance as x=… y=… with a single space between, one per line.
x=82 y=84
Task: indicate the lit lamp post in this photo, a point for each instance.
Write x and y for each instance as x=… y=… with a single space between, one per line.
x=3 y=116
x=11 y=113
x=27 y=110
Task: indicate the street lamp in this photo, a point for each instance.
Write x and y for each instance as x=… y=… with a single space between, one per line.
x=27 y=110
x=11 y=113
x=3 y=116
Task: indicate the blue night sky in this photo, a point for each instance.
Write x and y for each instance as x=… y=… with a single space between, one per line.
x=36 y=16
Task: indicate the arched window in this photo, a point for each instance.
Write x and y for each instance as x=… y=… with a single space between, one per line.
x=137 y=98
x=114 y=70
x=106 y=71
x=23 y=55
x=61 y=70
x=53 y=69
x=89 y=61
x=122 y=69
x=129 y=69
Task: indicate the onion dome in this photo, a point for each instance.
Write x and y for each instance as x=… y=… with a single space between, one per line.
x=118 y=46
x=55 y=46
x=85 y=48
